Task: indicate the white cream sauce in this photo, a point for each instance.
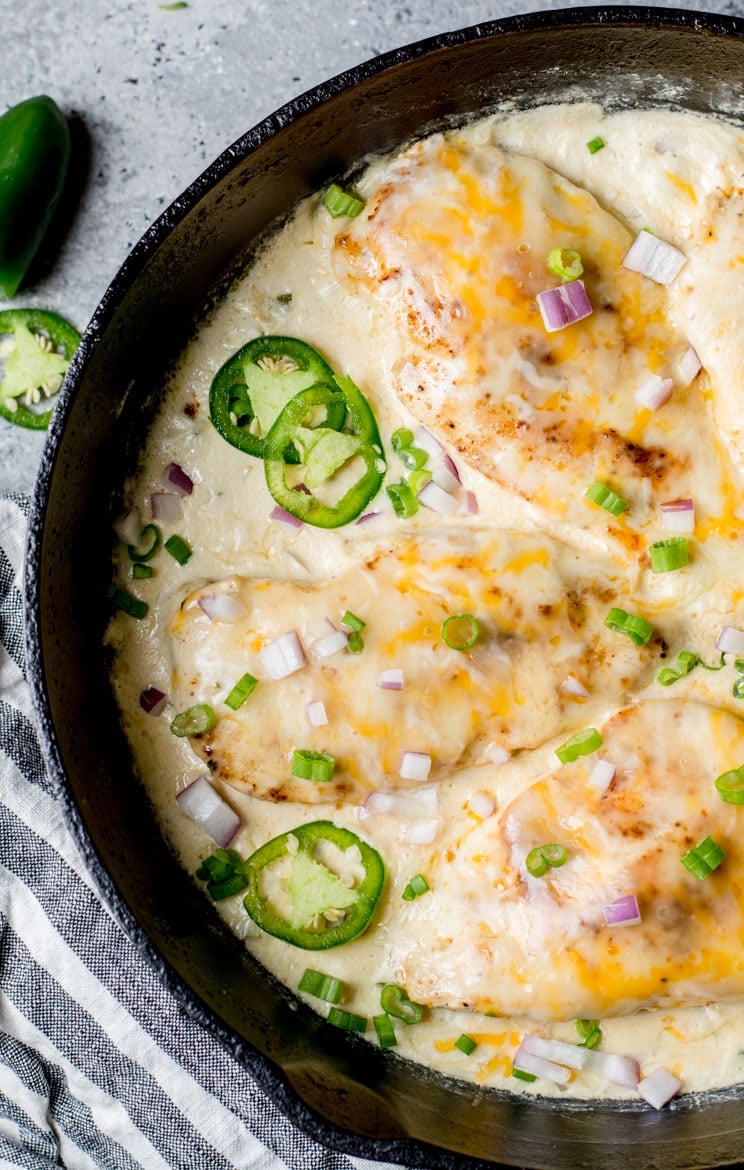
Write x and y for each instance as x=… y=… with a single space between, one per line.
x=674 y=173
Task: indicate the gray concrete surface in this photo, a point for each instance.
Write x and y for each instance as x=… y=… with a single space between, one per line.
x=157 y=94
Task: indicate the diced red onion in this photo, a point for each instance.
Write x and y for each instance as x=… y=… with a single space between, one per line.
x=482 y=804
x=415 y=766
x=730 y=641
x=330 y=643
x=619 y=1070
x=443 y=478
x=152 y=701
x=434 y=497
x=208 y=810
x=283 y=656
x=279 y=513
x=654 y=258
x=689 y=366
x=419 y=804
x=659 y=1087
x=654 y=392
x=602 y=775
x=623 y=912
x=165 y=506
x=128 y=527
x=498 y=754
x=316 y=713
x=391 y=680
x=222 y=607
x=421 y=832
x=667 y=143
x=367 y=516
x=175 y=476
x=573 y=687
x=471 y=503
x=425 y=441
x=451 y=466
x=557 y=1051
x=678 y=515
x=539 y=1067
x=564 y=305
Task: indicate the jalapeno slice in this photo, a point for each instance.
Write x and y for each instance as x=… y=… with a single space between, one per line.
x=303 y=449
x=324 y=912
x=34 y=157
x=251 y=388
x=41 y=346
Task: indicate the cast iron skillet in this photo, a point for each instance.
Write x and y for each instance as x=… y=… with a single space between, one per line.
x=341 y=1090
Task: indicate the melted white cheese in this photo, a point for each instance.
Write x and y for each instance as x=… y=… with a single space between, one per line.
x=678 y=175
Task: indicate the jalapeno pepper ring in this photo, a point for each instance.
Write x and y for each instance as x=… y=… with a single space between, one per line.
x=359 y=903
x=322 y=451
x=250 y=389
x=29 y=366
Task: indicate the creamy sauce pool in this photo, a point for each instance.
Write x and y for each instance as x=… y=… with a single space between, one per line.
x=675 y=174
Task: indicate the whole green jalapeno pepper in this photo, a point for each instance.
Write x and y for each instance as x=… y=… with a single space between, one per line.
x=34 y=157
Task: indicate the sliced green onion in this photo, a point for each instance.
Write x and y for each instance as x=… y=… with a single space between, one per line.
x=686 y=661
x=347 y=1020
x=460 y=631
x=196 y=721
x=602 y=495
x=219 y=865
x=582 y=744
x=418 y=479
x=227 y=889
x=637 y=628
x=339 y=202
x=670 y=554
x=178 y=549
x=140 y=571
x=401 y=439
x=130 y=605
x=586 y=1027
x=523 y=1076
x=417 y=886
x=565 y=263
x=309 y=765
x=352 y=622
x=385 y=1031
x=413 y=458
x=224 y=874
x=153 y=535
x=403 y=500
x=730 y=786
x=466 y=1044
x=590 y=1033
x=704 y=858
x=738 y=689
x=325 y=987
x=394 y=1000
x=545 y=857
x=355 y=643
x=595 y=145
x=240 y=692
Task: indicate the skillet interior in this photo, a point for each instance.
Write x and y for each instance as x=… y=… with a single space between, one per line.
x=343 y=1091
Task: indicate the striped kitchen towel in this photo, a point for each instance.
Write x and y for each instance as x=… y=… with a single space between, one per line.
x=100 y=1068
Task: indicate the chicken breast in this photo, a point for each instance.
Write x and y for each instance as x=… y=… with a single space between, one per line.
x=492 y=936
x=452 y=247
x=525 y=593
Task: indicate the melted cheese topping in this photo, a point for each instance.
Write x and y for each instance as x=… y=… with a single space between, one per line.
x=428 y=301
